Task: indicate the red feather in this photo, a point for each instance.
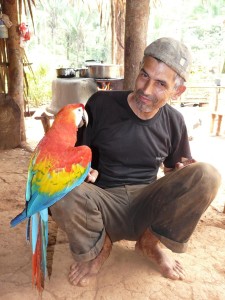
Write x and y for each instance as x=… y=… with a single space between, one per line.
x=37 y=274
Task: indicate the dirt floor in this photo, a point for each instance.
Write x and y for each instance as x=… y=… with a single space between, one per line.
x=125 y=275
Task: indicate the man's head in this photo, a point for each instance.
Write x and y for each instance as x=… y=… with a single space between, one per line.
x=173 y=53
x=165 y=67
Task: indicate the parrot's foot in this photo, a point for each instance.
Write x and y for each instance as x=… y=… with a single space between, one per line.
x=149 y=245
x=81 y=272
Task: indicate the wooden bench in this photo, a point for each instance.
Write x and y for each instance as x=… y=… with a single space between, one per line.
x=45 y=119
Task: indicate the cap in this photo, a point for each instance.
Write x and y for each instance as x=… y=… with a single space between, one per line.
x=173 y=53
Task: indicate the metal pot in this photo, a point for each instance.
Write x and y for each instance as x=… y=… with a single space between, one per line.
x=91 y=62
x=65 y=72
x=83 y=72
x=104 y=71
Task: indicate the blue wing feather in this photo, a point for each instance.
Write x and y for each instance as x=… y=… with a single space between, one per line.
x=40 y=201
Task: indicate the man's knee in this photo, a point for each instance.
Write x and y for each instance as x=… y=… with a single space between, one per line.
x=64 y=209
x=208 y=174
x=72 y=198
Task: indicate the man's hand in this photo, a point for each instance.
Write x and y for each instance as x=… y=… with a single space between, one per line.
x=185 y=162
x=92 y=176
x=179 y=165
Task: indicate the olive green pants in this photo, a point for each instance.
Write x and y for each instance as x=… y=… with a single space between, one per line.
x=170 y=207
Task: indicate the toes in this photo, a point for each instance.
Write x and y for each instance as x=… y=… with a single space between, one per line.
x=172 y=274
x=79 y=274
x=178 y=265
x=75 y=275
x=179 y=269
x=74 y=279
x=73 y=266
x=84 y=281
x=174 y=271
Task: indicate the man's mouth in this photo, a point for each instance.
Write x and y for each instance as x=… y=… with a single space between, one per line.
x=144 y=99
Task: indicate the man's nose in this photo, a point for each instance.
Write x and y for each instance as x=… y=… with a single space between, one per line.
x=148 y=87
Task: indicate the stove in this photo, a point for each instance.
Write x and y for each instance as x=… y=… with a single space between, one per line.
x=110 y=83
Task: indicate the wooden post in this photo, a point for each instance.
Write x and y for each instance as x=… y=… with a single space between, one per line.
x=213 y=118
x=220 y=117
x=15 y=58
x=118 y=9
x=136 y=25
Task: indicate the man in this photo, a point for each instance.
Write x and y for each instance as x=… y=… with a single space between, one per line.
x=131 y=133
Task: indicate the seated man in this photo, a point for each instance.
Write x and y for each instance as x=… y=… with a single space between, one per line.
x=131 y=134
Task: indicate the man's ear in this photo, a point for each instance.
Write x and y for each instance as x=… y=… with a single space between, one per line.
x=179 y=90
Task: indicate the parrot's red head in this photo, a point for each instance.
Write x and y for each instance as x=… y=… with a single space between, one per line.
x=63 y=132
x=72 y=114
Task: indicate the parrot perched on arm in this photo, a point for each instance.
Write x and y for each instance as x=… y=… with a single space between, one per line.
x=56 y=167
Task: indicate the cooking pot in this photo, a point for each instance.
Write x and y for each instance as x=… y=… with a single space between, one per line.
x=83 y=72
x=100 y=70
x=65 y=72
x=70 y=72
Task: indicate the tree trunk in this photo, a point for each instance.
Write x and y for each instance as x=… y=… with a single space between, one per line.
x=15 y=58
x=9 y=120
x=118 y=31
x=136 y=27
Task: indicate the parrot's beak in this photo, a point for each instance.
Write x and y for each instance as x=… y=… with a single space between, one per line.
x=84 y=120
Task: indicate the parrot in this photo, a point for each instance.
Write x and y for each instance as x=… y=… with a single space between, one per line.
x=56 y=167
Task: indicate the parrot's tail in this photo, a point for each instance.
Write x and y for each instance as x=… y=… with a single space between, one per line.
x=18 y=219
x=39 y=235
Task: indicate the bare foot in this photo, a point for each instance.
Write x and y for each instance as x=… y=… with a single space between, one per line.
x=149 y=245
x=81 y=272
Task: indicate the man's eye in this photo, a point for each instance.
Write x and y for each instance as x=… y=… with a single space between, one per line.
x=162 y=84
x=144 y=74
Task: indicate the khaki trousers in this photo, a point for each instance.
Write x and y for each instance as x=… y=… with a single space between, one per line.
x=170 y=207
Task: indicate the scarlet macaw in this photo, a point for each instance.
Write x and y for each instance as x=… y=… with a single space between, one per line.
x=56 y=167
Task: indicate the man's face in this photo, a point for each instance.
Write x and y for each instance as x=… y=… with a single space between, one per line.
x=154 y=86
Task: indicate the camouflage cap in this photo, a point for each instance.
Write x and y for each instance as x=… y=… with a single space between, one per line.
x=173 y=53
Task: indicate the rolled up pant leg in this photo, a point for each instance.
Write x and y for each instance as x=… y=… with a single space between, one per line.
x=172 y=206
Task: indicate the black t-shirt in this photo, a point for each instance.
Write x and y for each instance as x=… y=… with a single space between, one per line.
x=126 y=149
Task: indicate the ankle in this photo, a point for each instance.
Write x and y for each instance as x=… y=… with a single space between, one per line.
x=148 y=239
x=149 y=245
x=105 y=252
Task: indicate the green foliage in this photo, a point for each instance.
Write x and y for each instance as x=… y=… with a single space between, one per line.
x=67 y=33
x=198 y=10
x=200 y=25
x=72 y=34
x=39 y=92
